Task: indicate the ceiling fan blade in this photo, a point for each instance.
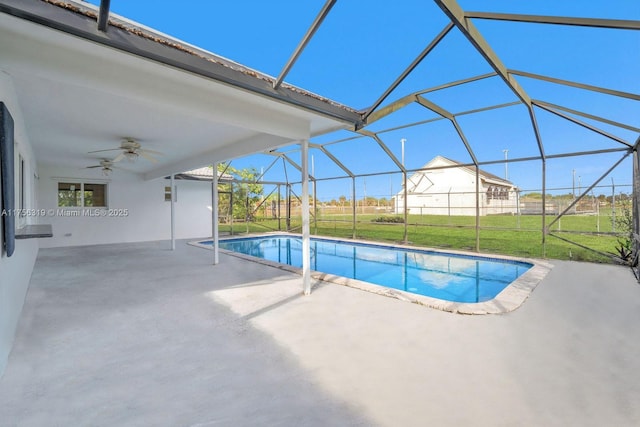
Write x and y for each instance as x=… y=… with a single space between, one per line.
x=91 y=167
x=147 y=156
x=118 y=158
x=100 y=151
x=146 y=150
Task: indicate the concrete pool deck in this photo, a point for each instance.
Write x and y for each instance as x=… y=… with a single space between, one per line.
x=135 y=334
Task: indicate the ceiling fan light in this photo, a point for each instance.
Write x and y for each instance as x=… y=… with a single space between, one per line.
x=106 y=171
x=131 y=156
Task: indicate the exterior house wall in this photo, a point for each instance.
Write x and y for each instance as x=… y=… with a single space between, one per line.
x=15 y=271
x=452 y=191
x=136 y=211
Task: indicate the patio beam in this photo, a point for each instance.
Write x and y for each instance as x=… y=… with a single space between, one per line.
x=374 y=116
x=214 y=213
x=336 y=161
x=585 y=125
x=447 y=115
x=173 y=212
x=306 y=239
x=288 y=160
x=469 y=30
x=593 y=88
x=457 y=83
x=405 y=208
x=303 y=43
x=384 y=147
x=477 y=208
x=353 y=207
x=620 y=24
x=464 y=140
x=238 y=149
x=266 y=170
x=435 y=119
x=433 y=107
x=489 y=108
x=406 y=100
x=540 y=103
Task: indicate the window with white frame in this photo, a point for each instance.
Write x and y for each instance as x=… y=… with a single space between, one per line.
x=79 y=194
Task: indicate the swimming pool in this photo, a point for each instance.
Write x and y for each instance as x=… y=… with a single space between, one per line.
x=445 y=276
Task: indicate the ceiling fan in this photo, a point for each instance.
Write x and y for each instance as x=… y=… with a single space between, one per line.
x=106 y=165
x=131 y=149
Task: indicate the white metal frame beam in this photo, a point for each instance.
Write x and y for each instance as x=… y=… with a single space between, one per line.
x=540 y=103
x=384 y=147
x=214 y=213
x=409 y=69
x=619 y=24
x=469 y=30
x=585 y=125
x=333 y=158
x=593 y=88
x=306 y=238
x=303 y=43
x=447 y=115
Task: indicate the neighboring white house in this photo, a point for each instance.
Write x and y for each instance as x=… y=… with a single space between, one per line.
x=442 y=189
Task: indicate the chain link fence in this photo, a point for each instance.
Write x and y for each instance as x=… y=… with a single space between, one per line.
x=507 y=222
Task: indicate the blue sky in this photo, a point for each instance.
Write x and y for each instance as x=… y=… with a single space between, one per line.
x=363 y=46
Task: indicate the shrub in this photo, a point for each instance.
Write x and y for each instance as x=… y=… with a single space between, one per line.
x=389 y=219
x=624 y=224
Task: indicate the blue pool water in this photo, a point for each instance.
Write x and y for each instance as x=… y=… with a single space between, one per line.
x=450 y=277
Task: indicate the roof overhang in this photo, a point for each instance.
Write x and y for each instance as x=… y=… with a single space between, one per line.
x=82 y=90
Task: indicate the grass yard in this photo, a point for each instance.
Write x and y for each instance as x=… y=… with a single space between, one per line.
x=507 y=235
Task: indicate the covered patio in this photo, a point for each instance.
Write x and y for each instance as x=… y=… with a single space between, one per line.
x=122 y=326
x=136 y=334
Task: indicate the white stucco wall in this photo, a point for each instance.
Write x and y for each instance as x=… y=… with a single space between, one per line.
x=15 y=271
x=147 y=216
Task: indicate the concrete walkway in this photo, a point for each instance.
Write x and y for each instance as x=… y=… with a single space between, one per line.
x=136 y=335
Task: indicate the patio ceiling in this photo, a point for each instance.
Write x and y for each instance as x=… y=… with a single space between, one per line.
x=82 y=91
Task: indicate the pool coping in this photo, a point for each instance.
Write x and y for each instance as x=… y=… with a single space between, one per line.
x=509 y=299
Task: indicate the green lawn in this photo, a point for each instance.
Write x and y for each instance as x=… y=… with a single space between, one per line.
x=508 y=235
